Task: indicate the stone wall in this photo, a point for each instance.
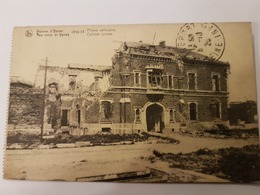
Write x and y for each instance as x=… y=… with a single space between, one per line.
x=168 y=101
x=25 y=105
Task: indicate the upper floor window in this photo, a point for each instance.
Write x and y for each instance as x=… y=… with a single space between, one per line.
x=215 y=82
x=170 y=81
x=137 y=78
x=53 y=87
x=72 y=82
x=192 y=81
x=125 y=79
x=154 y=78
x=72 y=85
x=53 y=92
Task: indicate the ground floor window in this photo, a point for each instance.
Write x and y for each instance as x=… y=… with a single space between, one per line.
x=193 y=111
x=215 y=109
x=64 y=117
x=172 y=115
x=137 y=115
x=106 y=111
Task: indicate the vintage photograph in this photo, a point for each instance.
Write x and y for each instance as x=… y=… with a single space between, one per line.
x=150 y=103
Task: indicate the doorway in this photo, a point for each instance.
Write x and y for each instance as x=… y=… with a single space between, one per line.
x=64 y=118
x=154 y=118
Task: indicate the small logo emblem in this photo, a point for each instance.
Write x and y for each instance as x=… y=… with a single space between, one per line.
x=29 y=33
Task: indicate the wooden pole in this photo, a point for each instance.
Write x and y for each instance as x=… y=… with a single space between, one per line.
x=154 y=37
x=44 y=94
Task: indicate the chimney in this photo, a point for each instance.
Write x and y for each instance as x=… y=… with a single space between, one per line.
x=162 y=44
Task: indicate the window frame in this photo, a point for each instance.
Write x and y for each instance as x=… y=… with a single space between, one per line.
x=212 y=84
x=72 y=78
x=173 y=120
x=195 y=80
x=106 y=119
x=170 y=78
x=218 y=105
x=137 y=74
x=155 y=77
x=197 y=110
x=137 y=121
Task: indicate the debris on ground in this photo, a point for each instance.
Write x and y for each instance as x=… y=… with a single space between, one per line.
x=240 y=165
x=64 y=140
x=223 y=133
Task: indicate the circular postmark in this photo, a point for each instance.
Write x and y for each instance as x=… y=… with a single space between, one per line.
x=204 y=41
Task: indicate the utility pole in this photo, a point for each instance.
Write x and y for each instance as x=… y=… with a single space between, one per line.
x=154 y=37
x=44 y=94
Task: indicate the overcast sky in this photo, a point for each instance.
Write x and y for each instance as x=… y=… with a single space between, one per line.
x=85 y=46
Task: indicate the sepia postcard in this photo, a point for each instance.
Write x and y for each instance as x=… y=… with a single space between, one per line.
x=151 y=103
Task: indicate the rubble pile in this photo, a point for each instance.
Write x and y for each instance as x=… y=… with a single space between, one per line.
x=31 y=141
x=223 y=133
x=235 y=164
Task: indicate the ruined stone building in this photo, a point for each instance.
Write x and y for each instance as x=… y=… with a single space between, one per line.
x=148 y=88
x=245 y=112
x=69 y=91
x=154 y=88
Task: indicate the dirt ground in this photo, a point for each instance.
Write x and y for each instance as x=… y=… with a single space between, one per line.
x=70 y=163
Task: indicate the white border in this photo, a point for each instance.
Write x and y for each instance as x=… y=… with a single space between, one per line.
x=83 y=12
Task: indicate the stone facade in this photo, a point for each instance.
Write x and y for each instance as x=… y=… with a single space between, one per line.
x=25 y=104
x=153 y=88
x=69 y=91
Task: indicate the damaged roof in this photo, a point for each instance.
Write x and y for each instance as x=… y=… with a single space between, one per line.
x=89 y=67
x=161 y=50
x=19 y=80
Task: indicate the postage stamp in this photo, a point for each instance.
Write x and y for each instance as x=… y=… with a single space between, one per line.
x=133 y=103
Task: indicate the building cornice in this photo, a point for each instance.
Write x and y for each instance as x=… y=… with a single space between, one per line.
x=168 y=90
x=181 y=95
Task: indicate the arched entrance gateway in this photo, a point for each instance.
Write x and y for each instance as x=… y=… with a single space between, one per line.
x=155 y=118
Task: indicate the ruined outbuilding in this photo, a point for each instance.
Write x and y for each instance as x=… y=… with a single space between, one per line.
x=69 y=92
